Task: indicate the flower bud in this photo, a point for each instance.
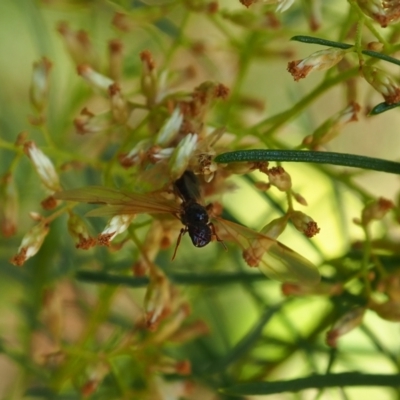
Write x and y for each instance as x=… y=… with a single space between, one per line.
x=383 y=83
x=181 y=156
x=172 y=324
x=345 y=324
x=157 y=300
x=376 y=210
x=115 y=50
x=136 y=156
x=279 y=178
x=31 y=243
x=96 y=375
x=384 y=12
x=148 y=78
x=79 y=231
x=318 y=61
x=171 y=366
x=115 y=226
x=170 y=129
x=78 y=45
x=331 y=127
x=9 y=206
x=119 y=107
x=300 y=199
x=87 y=122
x=44 y=167
x=304 y=223
x=94 y=78
x=38 y=91
x=123 y=22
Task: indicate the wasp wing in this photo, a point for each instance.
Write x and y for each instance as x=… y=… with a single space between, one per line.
x=118 y=202
x=273 y=258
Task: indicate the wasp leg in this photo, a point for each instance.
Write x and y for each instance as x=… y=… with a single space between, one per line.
x=215 y=236
x=182 y=232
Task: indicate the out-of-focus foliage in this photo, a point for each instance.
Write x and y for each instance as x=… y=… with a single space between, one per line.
x=128 y=95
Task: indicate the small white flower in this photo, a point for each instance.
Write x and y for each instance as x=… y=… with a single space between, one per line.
x=170 y=128
x=181 y=156
x=44 y=167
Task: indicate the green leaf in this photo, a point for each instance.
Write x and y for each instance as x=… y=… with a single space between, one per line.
x=319 y=157
x=383 y=107
x=315 y=382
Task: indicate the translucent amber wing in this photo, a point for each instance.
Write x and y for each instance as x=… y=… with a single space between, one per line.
x=273 y=258
x=118 y=202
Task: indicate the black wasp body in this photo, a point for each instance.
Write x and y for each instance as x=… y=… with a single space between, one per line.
x=193 y=215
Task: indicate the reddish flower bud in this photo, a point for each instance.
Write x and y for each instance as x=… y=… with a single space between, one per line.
x=304 y=223
x=376 y=210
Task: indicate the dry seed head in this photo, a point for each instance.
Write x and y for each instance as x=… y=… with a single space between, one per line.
x=318 y=61
x=43 y=166
x=31 y=243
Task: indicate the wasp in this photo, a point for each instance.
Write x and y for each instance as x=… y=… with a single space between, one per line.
x=273 y=258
